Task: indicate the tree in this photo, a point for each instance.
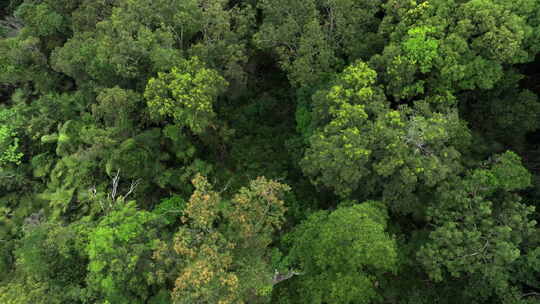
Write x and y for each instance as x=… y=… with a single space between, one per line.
x=365 y=148
x=480 y=226
x=439 y=48
x=186 y=94
x=352 y=250
x=312 y=38
x=119 y=250
x=223 y=245
x=50 y=265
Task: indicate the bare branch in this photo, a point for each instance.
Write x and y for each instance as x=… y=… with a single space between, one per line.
x=13 y=24
x=478 y=252
x=279 y=277
x=226 y=186
x=115 y=180
x=132 y=187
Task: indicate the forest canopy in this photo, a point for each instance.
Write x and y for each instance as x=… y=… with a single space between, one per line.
x=269 y=151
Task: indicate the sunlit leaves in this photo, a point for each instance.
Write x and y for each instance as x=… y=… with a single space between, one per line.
x=366 y=148
x=441 y=47
x=186 y=94
x=119 y=250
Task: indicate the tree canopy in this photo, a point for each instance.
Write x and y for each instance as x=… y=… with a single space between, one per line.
x=269 y=151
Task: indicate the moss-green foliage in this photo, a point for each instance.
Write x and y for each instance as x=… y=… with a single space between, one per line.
x=49 y=266
x=351 y=252
x=170 y=209
x=353 y=151
x=119 y=250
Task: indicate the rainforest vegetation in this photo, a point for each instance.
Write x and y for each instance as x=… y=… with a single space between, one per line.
x=269 y=151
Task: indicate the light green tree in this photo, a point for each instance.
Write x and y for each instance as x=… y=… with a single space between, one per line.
x=352 y=250
x=119 y=249
x=365 y=148
x=187 y=94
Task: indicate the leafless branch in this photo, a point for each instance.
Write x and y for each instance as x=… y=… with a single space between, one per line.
x=12 y=23
x=115 y=180
x=478 y=252
x=226 y=186
x=279 y=277
x=132 y=187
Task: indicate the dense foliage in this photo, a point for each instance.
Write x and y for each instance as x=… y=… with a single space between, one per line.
x=269 y=151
